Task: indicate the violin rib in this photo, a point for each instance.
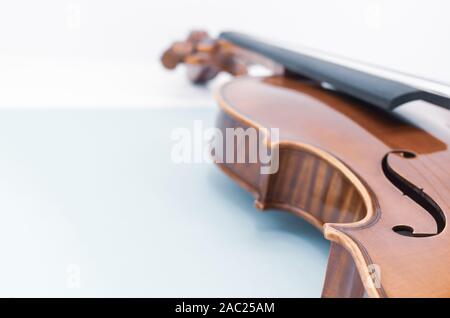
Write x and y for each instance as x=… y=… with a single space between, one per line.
x=331 y=173
x=375 y=184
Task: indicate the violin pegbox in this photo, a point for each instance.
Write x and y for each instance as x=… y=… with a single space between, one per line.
x=204 y=57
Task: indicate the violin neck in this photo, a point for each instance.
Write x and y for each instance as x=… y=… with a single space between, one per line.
x=378 y=91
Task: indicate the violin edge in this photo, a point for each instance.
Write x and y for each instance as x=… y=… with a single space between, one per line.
x=334 y=232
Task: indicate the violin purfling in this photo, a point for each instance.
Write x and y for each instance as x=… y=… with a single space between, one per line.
x=375 y=184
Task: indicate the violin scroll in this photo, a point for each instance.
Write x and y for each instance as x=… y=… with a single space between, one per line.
x=204 y=56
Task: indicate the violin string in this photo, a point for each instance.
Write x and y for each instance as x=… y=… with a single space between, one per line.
x=427 y=177
x=440 y=156
x=445 y=184
x=430 y=184
x=435 y=164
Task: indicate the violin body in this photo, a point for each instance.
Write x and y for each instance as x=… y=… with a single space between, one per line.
x=331 y=174
x=376 y=185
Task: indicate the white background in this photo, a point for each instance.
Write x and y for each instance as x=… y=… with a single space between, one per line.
x=96 y=53
x=85 y=190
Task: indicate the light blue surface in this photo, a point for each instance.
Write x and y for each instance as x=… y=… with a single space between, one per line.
x=97 y=189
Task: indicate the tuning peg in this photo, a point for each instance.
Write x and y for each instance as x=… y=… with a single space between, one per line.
x=237 y=68
x=207 y=45
x=176 y=54
x=197 y=36
x=199 y=58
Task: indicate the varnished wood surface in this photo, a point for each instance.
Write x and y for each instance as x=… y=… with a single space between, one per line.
x=205 y=57
x=342 y=277
x=331 y=173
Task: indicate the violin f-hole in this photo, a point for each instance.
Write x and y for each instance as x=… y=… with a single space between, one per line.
x=414 y=193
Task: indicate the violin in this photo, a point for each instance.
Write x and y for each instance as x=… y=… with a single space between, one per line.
x=373 y=182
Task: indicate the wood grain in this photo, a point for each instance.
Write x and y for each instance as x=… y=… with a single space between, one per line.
x=331 y=173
